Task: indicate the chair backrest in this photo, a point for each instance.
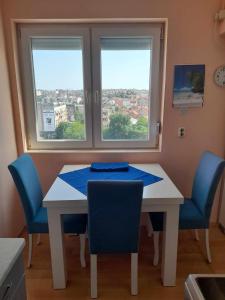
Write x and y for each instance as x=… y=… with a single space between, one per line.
x=27 y=182
x=206 y=180
x=114 y=209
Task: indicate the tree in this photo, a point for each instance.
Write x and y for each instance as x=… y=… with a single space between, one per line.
x=73 y=130
x=142 y=122
x=120 y=127
x=60 y=129
x=78 y=116
x=140 y=129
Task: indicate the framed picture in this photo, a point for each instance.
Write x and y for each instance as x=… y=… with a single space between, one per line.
x=188 y=89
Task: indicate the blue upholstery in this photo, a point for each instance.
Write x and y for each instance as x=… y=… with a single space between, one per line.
x=28 y=185
x=114 y=209
x=195 y=212
x=72 y=223
x=206 y=181
x=190 y=217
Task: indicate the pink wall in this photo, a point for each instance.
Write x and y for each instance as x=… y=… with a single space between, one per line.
x=191 y=40
x=222 y=27
x=11 y=217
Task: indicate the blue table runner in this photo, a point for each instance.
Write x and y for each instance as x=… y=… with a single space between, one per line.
x=78 y=179
x=109 y=166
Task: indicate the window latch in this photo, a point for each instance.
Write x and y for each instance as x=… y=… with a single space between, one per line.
x=158 y=128
x=86 y=95
x=97 y=97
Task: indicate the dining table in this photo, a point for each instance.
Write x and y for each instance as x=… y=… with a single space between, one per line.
x=160 y=196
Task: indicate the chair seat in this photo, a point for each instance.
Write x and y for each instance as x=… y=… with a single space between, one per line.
x=74 y=223
x=190 y=217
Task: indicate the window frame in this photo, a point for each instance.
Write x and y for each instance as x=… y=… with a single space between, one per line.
x=127 y=30
x=93 y=141
x=27 y=32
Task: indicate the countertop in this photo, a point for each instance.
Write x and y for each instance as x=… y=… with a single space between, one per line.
x=10 y=249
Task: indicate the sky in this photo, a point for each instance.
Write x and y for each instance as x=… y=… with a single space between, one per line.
x=62 y=69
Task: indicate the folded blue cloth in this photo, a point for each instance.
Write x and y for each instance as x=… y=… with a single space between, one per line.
x=109 y=166
x=79 y=179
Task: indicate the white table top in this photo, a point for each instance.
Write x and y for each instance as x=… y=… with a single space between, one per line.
x=61 y=194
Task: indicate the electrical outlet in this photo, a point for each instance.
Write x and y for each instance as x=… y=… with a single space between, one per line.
x=181 y=132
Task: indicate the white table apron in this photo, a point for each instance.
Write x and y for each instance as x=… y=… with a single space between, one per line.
x=170 y=206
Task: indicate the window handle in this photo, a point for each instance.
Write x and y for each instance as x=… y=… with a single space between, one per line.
x=157 y=128
x=86 y=97
x=97 y=97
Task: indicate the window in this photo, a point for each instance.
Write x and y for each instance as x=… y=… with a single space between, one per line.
x=60 y=111
x=127 y=96
x=91 y=86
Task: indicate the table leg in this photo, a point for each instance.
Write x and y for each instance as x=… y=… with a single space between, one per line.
x=56 y=238
x=170 y=239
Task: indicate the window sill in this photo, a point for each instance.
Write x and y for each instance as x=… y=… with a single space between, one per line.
x=51 y=151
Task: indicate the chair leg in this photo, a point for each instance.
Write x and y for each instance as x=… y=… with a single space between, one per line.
x=93 y=276
x=30 y=242
x=134 y=273
x=82 y=250
x=149 y=227
x=196 y=234
x=209 y=258
x=156 y=248
x=38 y=238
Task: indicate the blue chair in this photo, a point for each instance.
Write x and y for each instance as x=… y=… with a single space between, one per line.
x=195 y=212
x=27 y=182
x=114 y=209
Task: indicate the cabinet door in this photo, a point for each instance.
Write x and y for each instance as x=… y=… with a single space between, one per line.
x=20 y=292
x=14 y=282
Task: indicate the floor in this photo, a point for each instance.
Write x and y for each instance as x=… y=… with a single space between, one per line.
x=114 y=271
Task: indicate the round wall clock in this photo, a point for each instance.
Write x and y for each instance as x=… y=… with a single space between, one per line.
x=219 y=76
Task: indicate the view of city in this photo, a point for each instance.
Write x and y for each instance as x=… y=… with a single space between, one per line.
x=59 y=89
x=61 y=114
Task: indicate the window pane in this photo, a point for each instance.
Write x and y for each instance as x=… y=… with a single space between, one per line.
x=59 y=88
x=125 y=95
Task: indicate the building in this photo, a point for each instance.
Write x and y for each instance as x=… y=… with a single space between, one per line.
x=50 y=116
